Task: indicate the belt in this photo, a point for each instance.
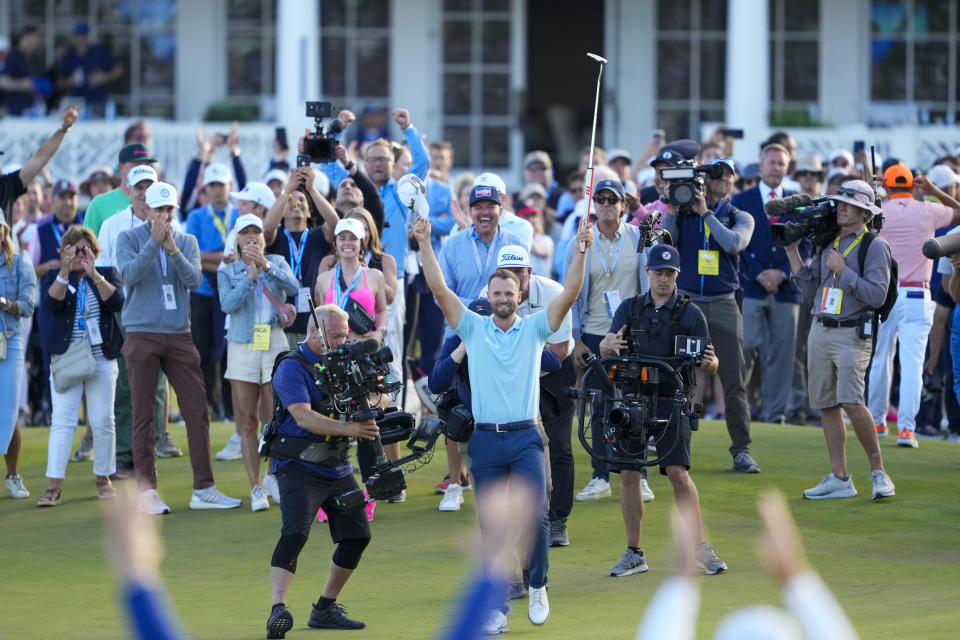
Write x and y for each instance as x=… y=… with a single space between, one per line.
x=503 y=427
x=836 y=324
x=917 y=284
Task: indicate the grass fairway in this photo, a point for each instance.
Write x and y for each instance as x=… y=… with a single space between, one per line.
x=895 y=566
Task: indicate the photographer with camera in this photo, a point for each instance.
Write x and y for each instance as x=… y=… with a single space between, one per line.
x=771 y=301
x=838 y=348
x=710 y=236
x=651 y=330
x=504 y=364
x=306 y=487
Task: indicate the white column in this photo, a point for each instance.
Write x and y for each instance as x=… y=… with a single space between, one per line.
x=415 y=63
x=844 y=44
x=201 y=62
x=298 y=63
x=747 y=100
x=630 y=79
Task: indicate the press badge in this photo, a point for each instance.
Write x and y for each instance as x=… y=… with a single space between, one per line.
x=708 y=262
x=303 y=299
x=261 y=337
x=169 y=299
x=613 y=300
x=93 y=330
x=830 y=300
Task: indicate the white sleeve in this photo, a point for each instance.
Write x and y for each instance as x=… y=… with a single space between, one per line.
x=672 y=612
x=816 y=609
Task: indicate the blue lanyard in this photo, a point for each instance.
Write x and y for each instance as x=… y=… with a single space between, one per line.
x=81 y=304
x=476 y=254
x=163 y=261
x=296 y=259
x=57 y=233
x=616 y=256
x=343 y=297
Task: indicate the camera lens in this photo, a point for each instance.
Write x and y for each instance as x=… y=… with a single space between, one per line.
x=683 y=195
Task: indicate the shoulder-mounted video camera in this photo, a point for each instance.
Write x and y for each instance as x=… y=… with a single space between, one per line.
x=816 y=220
x=321 y=146
x=627 y=397
x=686 y=179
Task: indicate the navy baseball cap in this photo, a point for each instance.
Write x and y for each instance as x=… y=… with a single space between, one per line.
x=675 y=151
x=609 y=185
x=663 y=256
x=484 y=192
x=481 y=306
x=64 y=186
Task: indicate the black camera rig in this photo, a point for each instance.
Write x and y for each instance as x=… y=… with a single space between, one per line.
x=816 y=221
x=626 y=397
x=686 y=179
x=321 y=146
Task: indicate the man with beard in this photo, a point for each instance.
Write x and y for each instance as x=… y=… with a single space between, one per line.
x=505 y=406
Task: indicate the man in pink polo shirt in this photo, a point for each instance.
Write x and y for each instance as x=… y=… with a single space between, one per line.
x=907 y=224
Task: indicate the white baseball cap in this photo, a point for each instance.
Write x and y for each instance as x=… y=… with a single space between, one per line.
x=489 y=179
x=942 y=176
x=256 y=192
x=276 y=174
x=217 y=172
x=161 y=194
x=140 y=173
x=513 y=256
x=352 y=225
x=248 y=220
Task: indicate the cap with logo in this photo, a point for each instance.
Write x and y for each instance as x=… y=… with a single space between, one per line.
x=898 y=175
x=162 y=194
x=609 y=185
x=352 y=225
x=481 y=306
x=217 y=172
x=484 y=192
x=256 y=192
x=513 y=256
x=140 y=173
x=135 y=152
x=490 y=179
x=248 y=220
x=859 y=194
x=675 y=151
x=537 y=157
x=663 y=256
x=63 y=186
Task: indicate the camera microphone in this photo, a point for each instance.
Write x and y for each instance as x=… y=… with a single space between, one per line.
x=369 y=345
x=334 y=127
x=783 y=206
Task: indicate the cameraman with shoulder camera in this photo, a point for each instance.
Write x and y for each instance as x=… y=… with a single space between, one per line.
x=655 y=336
x=710 y=237
x=839 y=344
x=306 y=487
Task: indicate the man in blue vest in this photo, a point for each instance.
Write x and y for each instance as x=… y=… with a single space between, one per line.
x=771 y=302
x=710 y=237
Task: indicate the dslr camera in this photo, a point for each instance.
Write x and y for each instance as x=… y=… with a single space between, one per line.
x=686 y=180
x=321 y=146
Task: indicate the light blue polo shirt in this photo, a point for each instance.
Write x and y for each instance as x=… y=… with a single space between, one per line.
x=210 y=236
x=504 y=366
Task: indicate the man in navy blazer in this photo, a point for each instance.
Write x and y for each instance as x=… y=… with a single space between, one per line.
x=771 y=301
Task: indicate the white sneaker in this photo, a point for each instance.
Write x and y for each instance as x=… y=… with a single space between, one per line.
x=539 y=609
x=597 y=488
x=232 y=451
x=210 y=498
x=14 y=484
x=646 y=491
x=452 y=498
x=151 y=504
x=882 y=485
x=271 y=486
x=496 y=624
x=258 y=499
x=831 y=487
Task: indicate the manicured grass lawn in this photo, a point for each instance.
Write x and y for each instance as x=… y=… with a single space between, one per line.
x=895 y=566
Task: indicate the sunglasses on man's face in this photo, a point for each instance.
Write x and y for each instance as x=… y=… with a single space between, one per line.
x=606 y=200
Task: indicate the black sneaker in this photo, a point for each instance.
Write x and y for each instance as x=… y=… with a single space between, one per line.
x=558 y=533
x=279 y=622
x=333 y=617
